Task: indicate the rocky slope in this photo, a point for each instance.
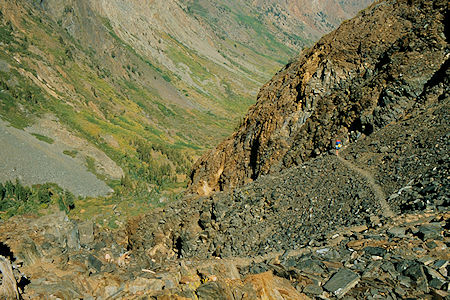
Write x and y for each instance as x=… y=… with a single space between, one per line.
x=359 y=78
x=406 y=162
x=272 y=238
x=282 y=19
x=150 y=84
x=405 y=258
x=369 y=223
x=33 y=161
x=317 y=17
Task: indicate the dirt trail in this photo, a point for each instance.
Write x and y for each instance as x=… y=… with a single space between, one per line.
x=378 y=191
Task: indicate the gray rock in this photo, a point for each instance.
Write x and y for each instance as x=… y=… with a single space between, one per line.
x=94 y=262
x=375 y=251
x=311 y=266
x=259 y=268
x=28 y=252
x=342 y=282
x=436 y=283
x=211 y=291
x=73 y=239
x=431 y=244
x=404 y=281
x=397 y=232
x=330 y=254
x=441 y=263
x=417 y=274
x=169 y=284
x=373 y=270
x=433 y=273
x=86 y=233
x=313 y=289
x=430 y=231
x=389 y=267
x=399 y=291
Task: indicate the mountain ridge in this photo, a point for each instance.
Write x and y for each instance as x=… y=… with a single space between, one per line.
x=150 y=84
x=327 y=94
x=319 y=228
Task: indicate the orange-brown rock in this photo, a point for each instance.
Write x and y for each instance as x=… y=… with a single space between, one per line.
x=272 y=287
x=357 y=79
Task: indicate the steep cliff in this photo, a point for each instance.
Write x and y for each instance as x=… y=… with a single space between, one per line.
x=354 y=81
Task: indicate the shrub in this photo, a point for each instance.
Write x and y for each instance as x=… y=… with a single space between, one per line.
x=16 y=198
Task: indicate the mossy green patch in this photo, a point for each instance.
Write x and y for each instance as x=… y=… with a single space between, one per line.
x=43 y=138
x=71 y=153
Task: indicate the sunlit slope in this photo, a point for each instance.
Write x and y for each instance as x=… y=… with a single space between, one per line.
x=152 y=84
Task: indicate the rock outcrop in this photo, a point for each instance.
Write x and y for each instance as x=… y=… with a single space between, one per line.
x=402 y=168
x=358 y=79
x=370 y=223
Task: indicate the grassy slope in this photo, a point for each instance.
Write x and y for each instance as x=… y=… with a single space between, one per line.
x=44 y=69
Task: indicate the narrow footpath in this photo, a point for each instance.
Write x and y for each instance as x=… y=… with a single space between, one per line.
x=378 y=191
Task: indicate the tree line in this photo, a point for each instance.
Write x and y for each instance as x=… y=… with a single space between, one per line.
x=16 y=198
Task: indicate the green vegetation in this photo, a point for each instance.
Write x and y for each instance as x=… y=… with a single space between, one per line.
x=6 y=35
x=90 y=164
x=16 y=199
x=196 y=8
x=71 y=153
x=153 y=122
x=265 y=37
x=133 y=51
x=43 y=138
x=16 y=92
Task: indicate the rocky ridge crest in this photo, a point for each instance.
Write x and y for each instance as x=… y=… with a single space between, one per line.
x=354 y=81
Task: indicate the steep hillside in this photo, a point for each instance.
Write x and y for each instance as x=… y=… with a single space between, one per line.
x=265 y=24
x=32 y=161
x=368 y=222
x=354 y=81
x=150 y=84
x=401 y=168
x=316 y=17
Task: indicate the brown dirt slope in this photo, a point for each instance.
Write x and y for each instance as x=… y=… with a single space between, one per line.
x=356 y=80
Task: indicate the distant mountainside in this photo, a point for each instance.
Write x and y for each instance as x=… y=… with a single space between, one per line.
x=151 y=84
x=294 y=221
x=316 y=17
x=352 y=82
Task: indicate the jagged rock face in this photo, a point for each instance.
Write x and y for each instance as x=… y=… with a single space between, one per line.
x=357 y=79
